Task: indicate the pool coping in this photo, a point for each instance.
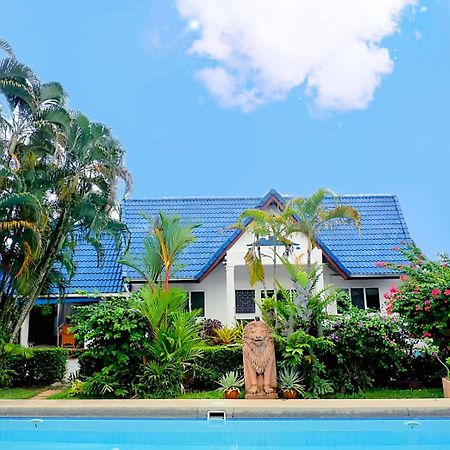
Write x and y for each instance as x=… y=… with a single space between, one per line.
x=324 y=408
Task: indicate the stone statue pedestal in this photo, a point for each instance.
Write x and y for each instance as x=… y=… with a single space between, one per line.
x=261 y=396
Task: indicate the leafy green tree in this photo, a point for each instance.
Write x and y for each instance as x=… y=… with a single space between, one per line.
x=59 y=173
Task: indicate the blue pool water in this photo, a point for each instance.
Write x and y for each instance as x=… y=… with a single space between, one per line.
x=239 y=434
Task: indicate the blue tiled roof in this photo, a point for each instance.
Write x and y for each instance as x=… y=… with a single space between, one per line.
x=356 y=253
x=383 y=228
x=213 y=214
x=92 y=277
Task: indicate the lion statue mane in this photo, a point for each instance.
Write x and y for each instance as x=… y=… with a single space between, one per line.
x=260 y=371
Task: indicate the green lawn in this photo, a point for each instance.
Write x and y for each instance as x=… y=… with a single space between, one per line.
x=370 y=393
x=19 y=393
x=394 y=393
x=202 y=395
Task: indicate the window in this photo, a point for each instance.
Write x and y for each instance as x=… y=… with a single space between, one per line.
x=197 y=301
x=245 y=301
x=372 y=298
x=365 y=298
x=357 y=296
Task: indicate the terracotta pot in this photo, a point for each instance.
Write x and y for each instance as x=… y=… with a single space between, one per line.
x=232 y=394
x=289 y=394
x=446 y=387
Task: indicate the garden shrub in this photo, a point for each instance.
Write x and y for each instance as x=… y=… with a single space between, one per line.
x=423 y=297
x=116 y=337
x=215 y=362
x=159 y=380
x=369 y=349
x=44 y=367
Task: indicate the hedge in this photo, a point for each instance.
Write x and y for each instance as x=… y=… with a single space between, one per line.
x=216 y=361
x=44 y=367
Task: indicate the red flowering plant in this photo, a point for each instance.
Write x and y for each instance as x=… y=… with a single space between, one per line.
x=422 y=297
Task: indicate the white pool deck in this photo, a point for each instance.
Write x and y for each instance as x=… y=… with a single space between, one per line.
x=418 y=408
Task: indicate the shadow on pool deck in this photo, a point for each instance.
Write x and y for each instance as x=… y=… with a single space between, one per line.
x=233 y=408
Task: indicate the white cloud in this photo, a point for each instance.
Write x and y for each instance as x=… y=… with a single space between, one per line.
x=263 y=49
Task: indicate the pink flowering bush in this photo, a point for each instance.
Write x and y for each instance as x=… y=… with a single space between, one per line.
x=423 y=296
x=370 y=349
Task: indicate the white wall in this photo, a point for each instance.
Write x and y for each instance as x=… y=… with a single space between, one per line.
x=214 y=285
x=383 y=284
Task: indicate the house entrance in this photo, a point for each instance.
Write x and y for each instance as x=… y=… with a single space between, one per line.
x=42 y=331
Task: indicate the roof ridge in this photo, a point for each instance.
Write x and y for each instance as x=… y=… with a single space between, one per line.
x=195 y=198
x=241 y=197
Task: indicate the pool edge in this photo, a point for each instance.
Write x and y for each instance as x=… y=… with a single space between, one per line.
x=423 y=408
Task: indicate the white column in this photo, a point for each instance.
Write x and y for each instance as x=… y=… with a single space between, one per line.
x=231 y=296
x=24 y=329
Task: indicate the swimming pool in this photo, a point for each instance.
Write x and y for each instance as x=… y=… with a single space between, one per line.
x=238 y=434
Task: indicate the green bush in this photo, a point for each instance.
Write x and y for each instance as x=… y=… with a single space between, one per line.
x=44 y=367
x=216 y=361
x=117 y=336
x=369 y=349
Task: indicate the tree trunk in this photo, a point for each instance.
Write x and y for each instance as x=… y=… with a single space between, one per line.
x=46 y=264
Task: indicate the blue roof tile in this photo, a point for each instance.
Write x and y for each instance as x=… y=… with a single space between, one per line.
x=382 y=228
x=356 y=253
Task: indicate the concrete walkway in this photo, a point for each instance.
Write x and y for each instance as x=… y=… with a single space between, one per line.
x=418 y=408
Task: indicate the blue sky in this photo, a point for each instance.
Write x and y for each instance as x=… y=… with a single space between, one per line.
x=127 y=64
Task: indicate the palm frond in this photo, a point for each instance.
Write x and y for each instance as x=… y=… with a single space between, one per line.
x=341 y=214
x=255 y=266
x=4 y=45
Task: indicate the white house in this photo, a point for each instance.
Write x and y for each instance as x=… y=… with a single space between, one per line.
x=214 y=271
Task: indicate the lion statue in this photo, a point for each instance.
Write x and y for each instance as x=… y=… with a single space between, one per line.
x=260 y=373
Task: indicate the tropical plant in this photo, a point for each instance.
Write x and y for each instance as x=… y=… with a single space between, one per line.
x=313 y=216
x=175 y=334
x=229 y=335
x=104 y=384
x=230 y=381
x=159 y=380
x=59 y=175
x=270 y=229
x=290 y=379
x=167 y=239
x=423 y=296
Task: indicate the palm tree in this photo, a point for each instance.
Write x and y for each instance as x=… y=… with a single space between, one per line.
x=312 y=216
x=274 y=226
x=83 y=184
x=71 y=166
x=167 y=239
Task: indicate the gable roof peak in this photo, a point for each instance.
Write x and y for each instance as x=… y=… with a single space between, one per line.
x=272 y=194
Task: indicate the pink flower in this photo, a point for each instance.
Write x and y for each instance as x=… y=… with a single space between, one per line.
x=379 y=264
x=436 y=292
x=393 y=289
x=395 y=249
x=427 y=302
x=447 y=292
x=426 y=335
x=403 y=277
